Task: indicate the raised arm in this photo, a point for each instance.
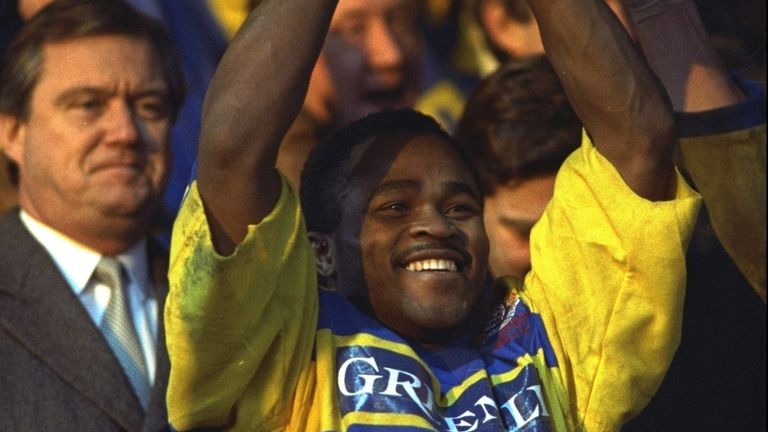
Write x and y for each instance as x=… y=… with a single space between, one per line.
x=618 y=99
x=253 y=98
x=723 y=130
x=676 y=46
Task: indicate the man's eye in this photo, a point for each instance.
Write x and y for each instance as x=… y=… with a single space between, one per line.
x=462 y=211
x=351 y=31
x=86 y=108
x=90 y=104
x=393 y=208
x=152 y=109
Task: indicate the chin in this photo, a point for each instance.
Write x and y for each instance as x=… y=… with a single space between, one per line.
x=131 y=208
x=443 y=320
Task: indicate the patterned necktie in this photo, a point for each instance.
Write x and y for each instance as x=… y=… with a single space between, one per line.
x=118 y=329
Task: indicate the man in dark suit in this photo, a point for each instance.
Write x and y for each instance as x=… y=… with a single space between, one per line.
x=88 y=94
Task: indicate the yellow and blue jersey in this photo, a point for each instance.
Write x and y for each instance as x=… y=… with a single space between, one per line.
x=382 y=381
x=581 y=344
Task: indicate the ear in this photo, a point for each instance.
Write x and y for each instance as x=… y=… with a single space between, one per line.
x=515 y=38
x=12 y=134
x=494 y=20
x=324 y=249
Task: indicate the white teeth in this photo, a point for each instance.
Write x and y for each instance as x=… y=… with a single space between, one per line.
x=432 y=264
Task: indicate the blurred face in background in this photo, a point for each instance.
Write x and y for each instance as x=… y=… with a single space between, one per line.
x=509 y=215
x=370 y=61
x=510 y=28
x=513 y=32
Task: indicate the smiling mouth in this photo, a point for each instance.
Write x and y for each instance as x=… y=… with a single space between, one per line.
x=440 y=265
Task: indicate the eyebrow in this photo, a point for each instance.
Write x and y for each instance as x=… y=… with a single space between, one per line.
x=453 y=187
x=75 y=92
x=464 y=188
x=518 y=223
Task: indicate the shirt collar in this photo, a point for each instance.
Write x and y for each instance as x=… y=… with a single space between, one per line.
x=77 y=262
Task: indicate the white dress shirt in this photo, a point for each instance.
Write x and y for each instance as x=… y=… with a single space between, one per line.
x=77 y=263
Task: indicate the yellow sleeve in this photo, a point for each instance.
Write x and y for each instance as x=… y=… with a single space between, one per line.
x=229 y=14
x=608 y=279
x=236 y=346
x=729 y=171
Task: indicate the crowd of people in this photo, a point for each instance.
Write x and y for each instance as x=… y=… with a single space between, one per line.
x=380 y=215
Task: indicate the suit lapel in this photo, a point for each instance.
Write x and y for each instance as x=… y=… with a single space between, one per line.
x=43 y=314
x=157 y=414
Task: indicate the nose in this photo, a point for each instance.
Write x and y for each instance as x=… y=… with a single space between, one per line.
x=122 y=125
x=433 y=223
x=385 y=55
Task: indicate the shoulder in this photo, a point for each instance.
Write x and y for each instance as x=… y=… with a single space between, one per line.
x=17 y=241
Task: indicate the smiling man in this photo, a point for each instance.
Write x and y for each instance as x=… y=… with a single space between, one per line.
x=89 y=91
x=417 y=228
x=409 y=333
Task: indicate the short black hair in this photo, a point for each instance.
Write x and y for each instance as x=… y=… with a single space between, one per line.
x=518 y=123
x=326 y=176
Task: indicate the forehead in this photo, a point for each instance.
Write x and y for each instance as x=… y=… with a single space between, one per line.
x=106 y=60
x=524 y=199
x=422 y=159
x=429 y=156
x=356 y=8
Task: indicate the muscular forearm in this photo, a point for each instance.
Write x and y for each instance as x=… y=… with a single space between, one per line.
x=619 y=100
x=677 y=47
x=254 y=96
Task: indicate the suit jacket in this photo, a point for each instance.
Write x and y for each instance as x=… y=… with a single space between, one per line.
x=57 y=372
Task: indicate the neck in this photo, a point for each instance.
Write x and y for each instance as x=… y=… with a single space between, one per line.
x=106 y=237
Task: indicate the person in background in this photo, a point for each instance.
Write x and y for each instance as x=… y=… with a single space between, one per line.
x=199 y=41
x=89 y=90
x=518 y=128
x=511 y=30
